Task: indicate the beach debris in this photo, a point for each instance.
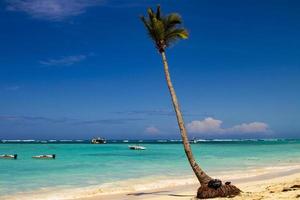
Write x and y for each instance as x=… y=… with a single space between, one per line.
x=51 y=156
x=227 y=183
x=292 y=188
x=7 y=156
x=296 y=186
x=214 y=183
x=286 y=189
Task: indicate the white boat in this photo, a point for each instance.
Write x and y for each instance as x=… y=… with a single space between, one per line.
x=195 y=141
x=7 y=156
x=51 y=156
x=136 y=147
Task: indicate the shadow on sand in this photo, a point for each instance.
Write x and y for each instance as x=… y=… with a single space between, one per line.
x=162 y=193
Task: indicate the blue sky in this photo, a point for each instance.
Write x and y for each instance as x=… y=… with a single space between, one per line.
x=78 y=69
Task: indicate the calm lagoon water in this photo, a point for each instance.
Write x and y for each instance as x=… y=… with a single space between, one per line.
x=82 y=164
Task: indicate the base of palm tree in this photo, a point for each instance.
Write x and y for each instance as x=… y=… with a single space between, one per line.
x=205 y=192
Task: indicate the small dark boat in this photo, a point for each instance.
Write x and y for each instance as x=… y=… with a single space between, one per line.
x=51 y=156
x=7 y=156
x=98 y=141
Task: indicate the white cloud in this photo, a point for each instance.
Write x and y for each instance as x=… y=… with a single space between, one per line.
x=64 y=61
x=254 y=127
x=54 y=10
x=152 y=130
x=211 y=125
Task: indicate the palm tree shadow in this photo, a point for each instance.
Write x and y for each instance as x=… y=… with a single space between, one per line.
x=163 y=193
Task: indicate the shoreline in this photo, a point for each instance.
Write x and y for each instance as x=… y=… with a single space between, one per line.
x=184 y=187
x=251 y=186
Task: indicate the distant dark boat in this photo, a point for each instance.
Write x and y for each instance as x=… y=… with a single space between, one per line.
x=98 y=141
x=51 y=156
x=6 y=156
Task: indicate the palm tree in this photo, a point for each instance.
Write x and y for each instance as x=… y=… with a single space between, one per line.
x=165 y=31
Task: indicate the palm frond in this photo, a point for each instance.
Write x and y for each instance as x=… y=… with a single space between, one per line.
x=164 y=30
x=172 y=20
x=175 y=35
x=150 y=14
x=158 y=13
x=146 y=24
x=159 y=28
x=148 y=27
x=180 y=32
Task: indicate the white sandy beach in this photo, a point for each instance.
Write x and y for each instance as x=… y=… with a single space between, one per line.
x=282 y=182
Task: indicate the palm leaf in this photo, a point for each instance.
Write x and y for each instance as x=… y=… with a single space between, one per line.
x=159 y=28
x=164 y=30
x=181 y=33
x=172 y=20
x=148 y=27
x=158 y=12
x=175 y=35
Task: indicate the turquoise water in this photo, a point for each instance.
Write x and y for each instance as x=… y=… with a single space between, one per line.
x=80 y=165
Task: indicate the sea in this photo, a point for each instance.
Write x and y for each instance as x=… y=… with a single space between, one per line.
x=79 y=164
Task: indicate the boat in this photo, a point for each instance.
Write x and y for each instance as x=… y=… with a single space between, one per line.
x=194 y=141
x=136 y=147
x=51 y=156
x=125 y=141
x=98 y=141
x=7 y=156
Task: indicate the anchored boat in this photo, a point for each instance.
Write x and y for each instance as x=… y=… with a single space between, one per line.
x=136 y=147
x=7 y=156
x=51 y=156
x=98 y=141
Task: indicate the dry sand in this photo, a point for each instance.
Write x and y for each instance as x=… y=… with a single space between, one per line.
x=271 y=186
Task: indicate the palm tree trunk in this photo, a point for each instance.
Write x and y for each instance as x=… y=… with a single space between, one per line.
x=201 y=175
x=204 y=191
